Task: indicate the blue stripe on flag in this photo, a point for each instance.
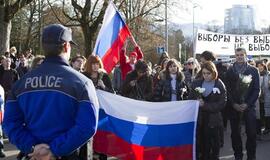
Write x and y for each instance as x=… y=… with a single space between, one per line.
x=148 y=135
x=110 y=35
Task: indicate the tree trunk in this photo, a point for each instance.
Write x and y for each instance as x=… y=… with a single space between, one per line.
x=88 y=40
x=5 y=29
x=30 y=25
x=28 y=36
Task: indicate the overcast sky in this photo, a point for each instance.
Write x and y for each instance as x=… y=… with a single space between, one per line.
x=213 y=10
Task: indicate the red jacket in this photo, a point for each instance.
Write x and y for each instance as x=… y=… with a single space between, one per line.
x=124 y=63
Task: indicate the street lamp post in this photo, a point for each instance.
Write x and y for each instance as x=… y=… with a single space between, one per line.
x=193 y=30
x=195 y=5
x=166 y=26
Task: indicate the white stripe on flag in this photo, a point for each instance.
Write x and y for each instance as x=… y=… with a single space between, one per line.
x=148 y=112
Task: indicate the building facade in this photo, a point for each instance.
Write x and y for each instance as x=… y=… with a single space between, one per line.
x=239 y=19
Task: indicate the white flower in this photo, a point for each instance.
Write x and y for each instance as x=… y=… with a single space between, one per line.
x=184 y=89
x=216 y=90
x=200 y=90
x=247 y=79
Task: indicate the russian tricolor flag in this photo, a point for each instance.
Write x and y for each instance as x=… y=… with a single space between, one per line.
x=111 y=37
x=139 y=130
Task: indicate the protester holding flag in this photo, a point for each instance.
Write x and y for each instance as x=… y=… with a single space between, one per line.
x=212 y=101
x=138 y=84
x=111 y=38
x=128 y=65
x=173 y=87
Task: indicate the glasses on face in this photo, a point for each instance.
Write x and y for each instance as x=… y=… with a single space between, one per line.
x=189 y=63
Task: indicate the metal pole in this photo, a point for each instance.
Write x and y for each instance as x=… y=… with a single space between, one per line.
x=166 y=26
x=193 y=40
x=193 y=31
x=180 y=52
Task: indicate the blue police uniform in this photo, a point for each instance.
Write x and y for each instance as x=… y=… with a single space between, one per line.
x=52 y=104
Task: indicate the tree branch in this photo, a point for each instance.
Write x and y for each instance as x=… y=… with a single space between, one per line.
x=67 y=15
x=14 y=8
x=95 y=24
x=59 y=20
x=87 y=7
x=76 y=5
x=92 y=13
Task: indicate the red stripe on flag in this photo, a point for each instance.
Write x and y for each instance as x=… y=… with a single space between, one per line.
x=110 y=144
x=111 y=57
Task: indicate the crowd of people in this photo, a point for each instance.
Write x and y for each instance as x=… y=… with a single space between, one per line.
x=238 y=92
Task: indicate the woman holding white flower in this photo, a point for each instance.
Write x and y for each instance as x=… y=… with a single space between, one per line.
x=212 y=101
x=172 y=87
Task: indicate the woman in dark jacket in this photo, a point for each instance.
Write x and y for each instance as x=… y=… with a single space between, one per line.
x=172 y=87
x=212 y=101
x=101 y=80
x=94 y=71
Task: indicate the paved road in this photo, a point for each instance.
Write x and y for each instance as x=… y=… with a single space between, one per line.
x=263 y=149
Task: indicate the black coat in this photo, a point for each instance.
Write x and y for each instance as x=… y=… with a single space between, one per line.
x=105 y=78
x=210 y=113
x=232 y=84
x=143 y=90
x=163 y=90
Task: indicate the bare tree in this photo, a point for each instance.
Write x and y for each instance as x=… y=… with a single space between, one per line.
x=7 y=11
x=88 y=15
x=137 y=12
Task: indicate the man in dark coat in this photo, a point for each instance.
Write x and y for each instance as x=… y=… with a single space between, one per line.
x=243 y=107
x=138 y=83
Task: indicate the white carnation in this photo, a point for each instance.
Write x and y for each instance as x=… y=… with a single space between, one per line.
x=200 y=90
x=216 y=90
x=247 y=79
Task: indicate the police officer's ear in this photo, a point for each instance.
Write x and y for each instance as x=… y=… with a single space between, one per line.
x=66 y=47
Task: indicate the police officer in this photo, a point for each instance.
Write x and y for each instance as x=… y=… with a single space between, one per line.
x=52 y=110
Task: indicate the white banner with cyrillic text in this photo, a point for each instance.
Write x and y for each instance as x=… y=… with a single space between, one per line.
x=225 y=44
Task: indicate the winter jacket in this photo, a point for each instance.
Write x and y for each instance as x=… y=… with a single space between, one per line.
x=232 y=82
x=52 y=104
x=142 y=89
x=163 y=90
x=102 y=75
x=210 y=113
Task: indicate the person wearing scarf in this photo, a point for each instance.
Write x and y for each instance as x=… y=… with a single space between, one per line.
x=242 y=109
